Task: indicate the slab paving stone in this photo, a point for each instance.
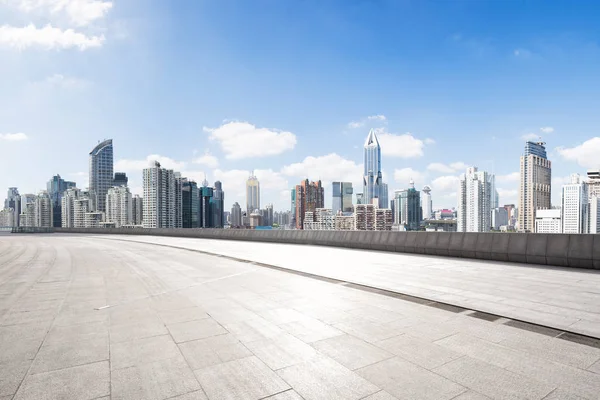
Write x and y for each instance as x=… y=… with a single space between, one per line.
x=421 y=352
x=142 y=351
x=136 y=330
x=214 y=350
x=183 y=315
x=281 y=351
x=253 y=330
x=194 y=330
x=246 y=378
x=65 y=355
x=311 y=330
x=12 y=375
x=287 y=395
x=351 y=351
x=381 y=395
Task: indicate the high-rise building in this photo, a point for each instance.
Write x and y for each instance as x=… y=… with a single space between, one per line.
x=595 y=215
x=494 y=197
x=27 y=216
x=535 y=187
x=309 y=197
x=575 y=206
x=268 y=215
x=364 y=217
x=407 y=208
x=293 y=208
x=236 y=215
x=359 y=198
x=342 y=197
x=119 y=209
x=137 y=210
x=426 y=203
x=322 y=219
x=101 y=171
x=593 y=182
x=191 y=204
x=252 y=194
x=548 y=221
x=56 y=188
x=255 y=219
x=120 y=179
x=68 y=207
x=499 y=217
x=159 y=197
x=218 y=206
x=7 y=216
x=179 y=199
x=205 y=216
x=373 y=186
x=13 y=201
x=474 y=213
x=43 y=211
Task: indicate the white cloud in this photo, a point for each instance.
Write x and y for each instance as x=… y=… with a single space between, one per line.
x=547 y=129
x=363 y=122
x=512 y=177
x=445 y=184
x=234 y=182
x=355 y=124
x=429 y=141
x=48 y=38
x=378 y=117
x=244 y=140
x=530 y=136
x=138 y=165
x=79 y=12
x=447 y=169
x=328 y=168
x=208 y=160
x=65 y=82
x=404 y=175
x=586 y=154
x=558 y=181
x=508 y=196
x=13 y=137
x=403 y=146
x=459 y=166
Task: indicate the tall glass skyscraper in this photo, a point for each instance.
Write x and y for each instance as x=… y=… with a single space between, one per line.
x=56 y=188
x=373 y=186
x=101 y=171
x=535 y=189
x=342 y=197
x=252 y=194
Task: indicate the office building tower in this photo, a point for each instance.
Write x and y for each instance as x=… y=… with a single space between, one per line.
x=575 y=206
x=535 y=186
x=255 y=219
x=493 y=192
x=43 y=211
x=426 y=203
x=159 y=197
x=7 y=216
x=218 y=206
x=236 y=215
x=120 y=179
x=68 y=207
x=383 y=219
x=373 y=186
x=511 y=210
x=474 y=211
x=342 y=197
x=27 y=216
x=499 y=217
x=191 y=204
x=359 y=198
x=548 y=221
x=268 y=215
x=205 y=197
x=13 y=201
x=594 y=215
x=119 y=208
x=407 y=208
x=364 y=217
x=293 y=208
x=137 y=210
x=56 y=188
x=101 y=172
x=309 y=197
x=252 y=194
x=179 y=199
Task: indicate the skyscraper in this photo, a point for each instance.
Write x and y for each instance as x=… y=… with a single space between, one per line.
x=101 y=171
x=373 y=186
x=342 y=197
x=43 y=211
x=120 y=179
x=13 y=201
x=56 y=188
x=474 y=212
x=408 y=208
x=426 y=203
x=119 y=206
x=268 y=215
x=218 y=205
x=191 y=205
x=205 y=196
x=68 y=207
x=159 y=197
x=137 y=210
x=236 y=215
x=252 y=194
x=309 y=197
x=575 y=206
x=535 y=187
x=293 y=208
x=27 y=217
x=179 y=199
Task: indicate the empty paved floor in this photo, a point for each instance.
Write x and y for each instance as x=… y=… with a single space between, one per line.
x=89 y=318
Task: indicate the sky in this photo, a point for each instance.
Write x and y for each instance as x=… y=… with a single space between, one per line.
x=290 y=89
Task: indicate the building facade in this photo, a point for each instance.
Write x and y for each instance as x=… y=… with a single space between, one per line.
x=548 y=221
x=218 y=206
x=68 y=207
x=309 y=197
x=595 y=215
x=119 y=207
x=474 y=212
x=190 y=204
x=120 y=179
x=56 y=187
x=575 y=206
x=205 y=215
x=159 y=197
x=342 y=193
x=252 y=194
x=236 y=215
x=27 y=216
x=43 y=211
x=407 y=208
x=426 y=203
x=13 y=201
x=535 y=188
x=137 y=210
x=101 y=171
x=373 y=186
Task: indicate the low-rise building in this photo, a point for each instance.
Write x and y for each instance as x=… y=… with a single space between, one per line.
x=548 y=221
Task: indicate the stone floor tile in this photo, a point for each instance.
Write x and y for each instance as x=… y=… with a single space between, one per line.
x=366 y=330
x=421 y=352
x=157 y=380
x=246 y=378
x=281 y=351
x=19 y=351
x=280 y=316
x=406 y=380
x=195 y=395
x=193 y=330
x=142 y=351
x=381 y=395
x=351 y=352
x=84 y=382
x=214 y=350
x=136 y=330
x=253 y=330
x=471 y=395
x=311 y=330
x=323 y=378
x=375 y=314
x=65 y=355
x=11 y=376
x=493 y=381
x=560 y=394
x=77 y=333
x=287 y=395
x=183 y=315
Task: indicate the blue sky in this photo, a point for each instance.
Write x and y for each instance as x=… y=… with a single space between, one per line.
x=291 y=88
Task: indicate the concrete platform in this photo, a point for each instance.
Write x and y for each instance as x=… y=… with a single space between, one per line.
x=93 y=318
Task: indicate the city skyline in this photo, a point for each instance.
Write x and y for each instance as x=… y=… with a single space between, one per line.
x=497 y=87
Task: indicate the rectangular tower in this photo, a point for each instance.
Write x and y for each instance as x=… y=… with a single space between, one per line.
x=535 y=186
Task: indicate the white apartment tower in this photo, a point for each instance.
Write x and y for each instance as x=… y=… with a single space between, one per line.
x=474 y=201
x=137 y=210
x=236 y=215
x=548 y=221
x=426 y=204
x=535 y=187
x=119 y=206
x=159 y=197
x=575 y=206
x=43 y=211
x=68 y=207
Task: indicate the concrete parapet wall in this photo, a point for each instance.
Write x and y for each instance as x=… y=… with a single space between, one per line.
x=575 y=251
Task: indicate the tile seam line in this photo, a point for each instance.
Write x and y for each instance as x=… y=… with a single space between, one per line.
x=360 y=286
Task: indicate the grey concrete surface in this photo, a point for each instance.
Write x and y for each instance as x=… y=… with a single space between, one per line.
x=126 y=320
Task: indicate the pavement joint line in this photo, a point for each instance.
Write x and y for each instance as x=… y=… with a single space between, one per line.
x=518 y=323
